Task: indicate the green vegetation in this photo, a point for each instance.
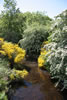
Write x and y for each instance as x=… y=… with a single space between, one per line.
x=32 y=40
x=11 y=22
x=4 y=74
x=56 y=58
x=33 y=35
x=11 y=56
x=39 y=18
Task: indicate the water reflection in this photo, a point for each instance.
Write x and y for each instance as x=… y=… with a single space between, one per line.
x=46 y=86
x=38 y=86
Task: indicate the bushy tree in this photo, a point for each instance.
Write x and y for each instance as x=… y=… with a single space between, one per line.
x=37 y=17
x=56 y=63
x=32 y=40
x=59 y=29
x=11 y=22
x=56 y=59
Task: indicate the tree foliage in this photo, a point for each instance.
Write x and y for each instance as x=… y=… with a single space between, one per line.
x=59 y=29
x=36 y=31
x=39 y=18
x=56 y=60
x=11 y=22
x=32 y=40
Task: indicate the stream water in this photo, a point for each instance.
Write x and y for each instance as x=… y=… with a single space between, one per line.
x=36 y=86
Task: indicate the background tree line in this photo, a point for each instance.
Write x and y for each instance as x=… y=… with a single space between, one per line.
x=30 y=28
x=13 y=22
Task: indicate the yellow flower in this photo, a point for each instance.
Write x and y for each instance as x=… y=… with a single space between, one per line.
x=46 y=42
x=12 y=77
x=1 y=39
x=8 y=48
x=13 y=51
x=19 y=58
x=2 y=52
x=21 y=74
x=44 y=52
x=18 y=49
x=41 y=59
x=40 y=62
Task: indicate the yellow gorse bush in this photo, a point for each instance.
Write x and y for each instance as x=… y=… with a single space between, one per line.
x=44 y=43
x=18 y=74
x=8 y=48
x=19 y=58
x=43 y=53
x=2 y=52
x=41 y=58
x=12 y=77
x=1 y=39
x=13 y=51
x=40 y=61
x=22 y=73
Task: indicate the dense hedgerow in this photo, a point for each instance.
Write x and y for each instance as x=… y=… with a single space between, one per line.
x=54 y=56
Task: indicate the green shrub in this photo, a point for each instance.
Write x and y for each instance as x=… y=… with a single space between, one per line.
x=58 y=57
x=56 y=63
x=4 y=77
x=56 y=60
x=59 y=30
x=32 y=40
x=4 y=73
x=3 y=96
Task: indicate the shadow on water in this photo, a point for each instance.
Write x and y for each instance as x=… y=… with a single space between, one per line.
x=36 y=86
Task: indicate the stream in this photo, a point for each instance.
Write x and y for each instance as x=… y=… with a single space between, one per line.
x=36 y=86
